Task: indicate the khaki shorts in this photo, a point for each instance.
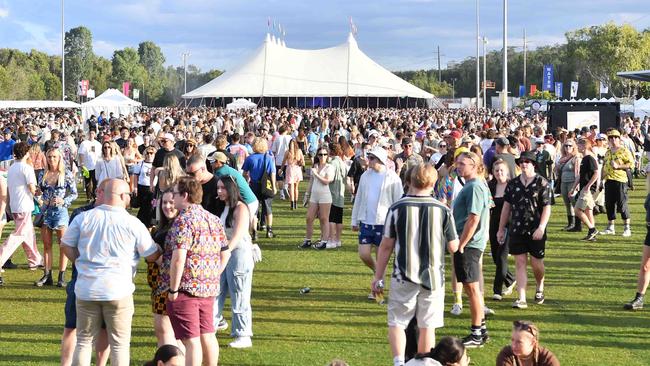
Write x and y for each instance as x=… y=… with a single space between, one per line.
x=585 y=201
x=407 y=297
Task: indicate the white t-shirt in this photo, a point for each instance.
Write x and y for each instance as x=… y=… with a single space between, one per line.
x=375 y=182
x=19 y=176
x=280 y=147
x=89 y=153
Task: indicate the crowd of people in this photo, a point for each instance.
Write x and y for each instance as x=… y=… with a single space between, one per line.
x=422 y=183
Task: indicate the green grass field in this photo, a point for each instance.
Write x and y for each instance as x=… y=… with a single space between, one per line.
x=582 y=320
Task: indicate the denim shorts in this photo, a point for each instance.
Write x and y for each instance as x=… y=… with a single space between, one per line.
x=370 y=234
x=56 y=217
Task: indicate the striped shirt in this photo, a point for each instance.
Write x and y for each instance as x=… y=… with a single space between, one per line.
x=421 y=226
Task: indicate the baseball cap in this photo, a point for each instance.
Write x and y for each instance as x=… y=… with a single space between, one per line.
x=218 y=156
x=503 y=141
x=456 y=134
x=601 y=136
x=406 y=141
x=169 y=136
x=613 y=133
x=459 y=151
x=539 y=140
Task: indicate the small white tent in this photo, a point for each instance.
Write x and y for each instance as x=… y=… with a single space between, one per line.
x=241 y=103
x=112 y=100
x=275 y=70
x=642 y=108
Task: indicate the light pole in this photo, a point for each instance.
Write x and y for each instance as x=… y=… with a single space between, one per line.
x=185 y=56
x=485 y=42
x=478 y=61
x=504 y=92
x=62 y=50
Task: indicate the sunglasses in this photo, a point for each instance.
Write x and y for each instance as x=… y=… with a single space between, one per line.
x=568 y=145
x=525 y=326
x=442 y=145
x=322 y=154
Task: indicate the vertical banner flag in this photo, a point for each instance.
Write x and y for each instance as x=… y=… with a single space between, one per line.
x=533 y=89
x=125 y=88
x=79 y=88
x=91 y=94
x=136 y=93
x=558 y=89
x=82 y=87
x=574 y=89
x=522 y=91
x=547 y=78
x=604 y=89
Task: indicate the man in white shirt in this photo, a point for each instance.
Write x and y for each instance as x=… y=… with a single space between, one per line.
x=378 y=189
x=21 y=183
x=279 y=148
x=89 y=153
x=106 y=244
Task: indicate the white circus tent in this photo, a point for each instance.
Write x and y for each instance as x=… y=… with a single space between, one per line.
x=241 y=104
x=275 y=70
x=112 y=100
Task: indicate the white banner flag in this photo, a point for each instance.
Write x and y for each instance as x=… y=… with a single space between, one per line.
x=136 y=94
x=91 y=94
x=574 y=89
x=604 y=89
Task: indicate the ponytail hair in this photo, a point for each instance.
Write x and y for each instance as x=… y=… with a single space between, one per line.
x=164 y=354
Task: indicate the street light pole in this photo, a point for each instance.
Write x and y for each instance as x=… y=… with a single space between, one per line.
x=62 y=50
x=504 y=92
x=485 y=42
x=185 y=56
x=525 y=54
x=478 y=61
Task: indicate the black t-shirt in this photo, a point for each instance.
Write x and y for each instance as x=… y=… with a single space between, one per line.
x=209 y=201
x=121 y=143
x=162 y=153
x=588 y=166
x=356 y=171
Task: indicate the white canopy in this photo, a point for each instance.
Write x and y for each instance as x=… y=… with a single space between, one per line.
x=277 y=71
x=112 y=100
x=642 y=108
x=241 y=104
x=30 y=104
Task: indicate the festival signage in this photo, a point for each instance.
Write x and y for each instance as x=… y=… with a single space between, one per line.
x=547 y=78
x=82 y=88
x=559 y=86
x=533 y=89
x=522 y=91
x=574 y=89
x=90 y=94
x=125 y=88
x=136 y=93
x=604 y=89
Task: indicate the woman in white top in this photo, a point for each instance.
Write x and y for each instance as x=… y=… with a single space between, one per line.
x=319 y=197
x=142 y=194
x=111 y=164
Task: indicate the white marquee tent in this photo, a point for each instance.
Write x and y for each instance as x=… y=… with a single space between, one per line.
x=112 y=100
x=29 y=104
x=642 y=108
x=275 y=70
x=241 y=104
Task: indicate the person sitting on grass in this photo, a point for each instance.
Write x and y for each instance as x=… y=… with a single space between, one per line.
x=450 y=351
x=525 y=348
x=167 y=355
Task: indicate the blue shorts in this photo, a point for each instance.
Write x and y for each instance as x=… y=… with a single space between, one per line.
x=370 y=234
x=56 y=217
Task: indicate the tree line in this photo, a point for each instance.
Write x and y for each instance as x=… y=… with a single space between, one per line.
x=36 y=75
x=590 y=56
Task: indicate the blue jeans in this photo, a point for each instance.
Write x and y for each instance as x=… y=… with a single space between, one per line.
x=237 y=281
x=55 y=217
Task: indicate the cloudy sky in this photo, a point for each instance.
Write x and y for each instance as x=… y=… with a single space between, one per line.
x=399 y=34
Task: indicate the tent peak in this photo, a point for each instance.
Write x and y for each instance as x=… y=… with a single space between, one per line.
x=351 y=40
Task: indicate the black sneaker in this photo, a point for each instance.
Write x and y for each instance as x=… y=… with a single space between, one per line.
x=591 y=235
x=474 y=341
x=9 y=265
x=46 y=280
x=305 y=244
x=636 y=304
x=539 y=297
x=485 y=335
x=270 y=234
x=321 y=245
x=2 y=282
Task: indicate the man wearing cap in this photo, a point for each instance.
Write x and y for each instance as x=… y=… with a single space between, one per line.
x=167 y=148
x=407 y=158
x=378 y=189
x=527 y=208
x=617 y=160
x=543 y=159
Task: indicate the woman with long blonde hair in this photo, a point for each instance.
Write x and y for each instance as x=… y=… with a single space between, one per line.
x=59 y=190
x=132 y=157
x=293 y=162
x=111 y=165
x=38 y=160
x=168 y=175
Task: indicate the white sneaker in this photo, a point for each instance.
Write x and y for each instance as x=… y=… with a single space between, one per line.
x=497 y=297
x=509 y=289
x=371 y=296
x=487 y=311
x=456 y=309
x=627 y=233
x=608 y=231
x=241 y=342
x=338 y=243
x=331 y=245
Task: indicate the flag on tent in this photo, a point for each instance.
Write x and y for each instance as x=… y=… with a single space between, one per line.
x=558 y=89
x=268 y=22
x=604 y=89
x=574 y=89
x=522 y=91
x=280 y=28
x=353 y=28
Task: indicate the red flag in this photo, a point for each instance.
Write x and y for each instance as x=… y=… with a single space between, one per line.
x=125 y=88
x=533 y=89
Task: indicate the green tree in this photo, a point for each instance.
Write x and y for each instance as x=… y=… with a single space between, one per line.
x=78 y=58
x=100 y=75
x=127 y=67
x=152 y=58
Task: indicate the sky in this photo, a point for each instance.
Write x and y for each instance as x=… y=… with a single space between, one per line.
x=398 y=34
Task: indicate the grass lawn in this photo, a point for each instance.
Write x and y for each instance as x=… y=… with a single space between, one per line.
x=582 y=320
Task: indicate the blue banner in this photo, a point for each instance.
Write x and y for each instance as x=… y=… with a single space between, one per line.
x=522 y=91
x=547 y=78
x=559 y=86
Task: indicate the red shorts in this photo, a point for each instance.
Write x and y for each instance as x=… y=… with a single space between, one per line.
x=191 y=316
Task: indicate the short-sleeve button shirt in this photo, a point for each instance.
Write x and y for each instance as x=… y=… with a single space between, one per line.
x=527 y=203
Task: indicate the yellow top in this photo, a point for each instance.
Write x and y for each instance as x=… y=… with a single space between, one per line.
x=622 y=156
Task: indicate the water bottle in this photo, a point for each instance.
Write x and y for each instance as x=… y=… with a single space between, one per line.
x=379 y=297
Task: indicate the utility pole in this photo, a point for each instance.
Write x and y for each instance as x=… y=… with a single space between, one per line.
x=453 y=88
x=439 y=69
x=525 y=51
x=185 y=56
x=485 y=42
x=504 y=92
x=62 y=50
x=478 y=61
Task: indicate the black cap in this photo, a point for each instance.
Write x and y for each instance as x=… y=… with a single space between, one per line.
x=406 y=141
x=502 y=141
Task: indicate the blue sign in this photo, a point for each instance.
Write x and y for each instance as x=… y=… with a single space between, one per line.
x=559 y=86
x=547 y=78
x=522 y=91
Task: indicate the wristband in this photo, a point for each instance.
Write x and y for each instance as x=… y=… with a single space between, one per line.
x=172 y=292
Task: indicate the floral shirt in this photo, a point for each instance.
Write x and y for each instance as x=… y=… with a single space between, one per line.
x=67 y=191
x=203 y=236
x=527 y=203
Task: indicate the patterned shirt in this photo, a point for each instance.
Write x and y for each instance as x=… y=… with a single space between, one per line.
x=67 y=191
x=622 y=156
x=203 y=236
x=527 y=204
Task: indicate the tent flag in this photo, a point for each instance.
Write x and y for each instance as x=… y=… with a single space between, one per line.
x=604 y=89
x=125 y=88
x=353 y=28
x=522 y=91
x=547 y=78
x=558 y=89
x=574 y=89
x=268 y=23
